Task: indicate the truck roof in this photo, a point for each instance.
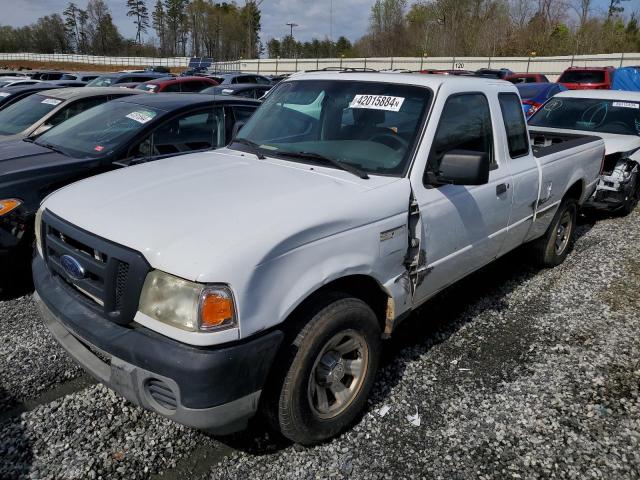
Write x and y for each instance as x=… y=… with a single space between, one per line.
x=428 y=80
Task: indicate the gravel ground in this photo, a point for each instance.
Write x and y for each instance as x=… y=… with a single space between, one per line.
x=31 y=361
x=513 y=373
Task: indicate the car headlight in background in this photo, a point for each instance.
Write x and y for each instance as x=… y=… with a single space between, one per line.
x=187 y=305
x=38 y=231
x=9 y=204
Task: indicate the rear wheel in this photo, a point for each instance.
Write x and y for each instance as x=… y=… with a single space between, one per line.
x=552 y=248
x=327 y=371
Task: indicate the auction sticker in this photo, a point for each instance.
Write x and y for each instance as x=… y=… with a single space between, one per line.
x=141 y=116
x=51 y=101
x=626 y=104
x=377 y=102
x=4 y=94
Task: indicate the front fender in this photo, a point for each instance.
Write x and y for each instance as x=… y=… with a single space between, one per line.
x=277 y=286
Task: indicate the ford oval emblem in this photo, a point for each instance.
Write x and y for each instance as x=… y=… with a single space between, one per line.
x=73 y=268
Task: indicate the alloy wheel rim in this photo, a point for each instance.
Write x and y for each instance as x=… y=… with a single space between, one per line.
x=338 y=374
x=563 y=232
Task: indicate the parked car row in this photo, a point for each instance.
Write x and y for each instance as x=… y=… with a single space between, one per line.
x=231 y=257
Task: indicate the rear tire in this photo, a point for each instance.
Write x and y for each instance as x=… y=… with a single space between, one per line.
x=327 y=370
x=553 y=247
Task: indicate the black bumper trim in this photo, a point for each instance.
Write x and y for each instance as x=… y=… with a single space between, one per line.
x=205 y=377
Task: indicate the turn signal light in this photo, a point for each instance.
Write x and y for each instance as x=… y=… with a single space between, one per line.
x=8 y=205
x=216 y=309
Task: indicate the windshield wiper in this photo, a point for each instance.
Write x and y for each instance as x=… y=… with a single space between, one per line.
x=255 y=148
x=347 y=167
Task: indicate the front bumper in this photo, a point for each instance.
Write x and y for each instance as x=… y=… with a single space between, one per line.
x=215 y=388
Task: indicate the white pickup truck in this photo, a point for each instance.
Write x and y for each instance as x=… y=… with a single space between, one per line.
x=263 y=276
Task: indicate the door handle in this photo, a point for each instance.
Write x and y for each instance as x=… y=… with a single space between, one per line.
x=502 y=188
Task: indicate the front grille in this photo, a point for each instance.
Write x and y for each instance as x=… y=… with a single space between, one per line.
x=113 y=274
x=121 y=283
x=161 y=393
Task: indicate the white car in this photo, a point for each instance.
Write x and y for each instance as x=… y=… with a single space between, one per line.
x=613 y=115
x=266 y=273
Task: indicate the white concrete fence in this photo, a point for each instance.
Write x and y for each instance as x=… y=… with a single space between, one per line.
x=550 y=66
x=176 y=62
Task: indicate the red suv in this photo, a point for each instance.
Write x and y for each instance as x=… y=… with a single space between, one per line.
x=177 y=84
x=587 y=78
x=527 y=78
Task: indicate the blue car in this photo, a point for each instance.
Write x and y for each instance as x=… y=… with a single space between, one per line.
x=535 y=94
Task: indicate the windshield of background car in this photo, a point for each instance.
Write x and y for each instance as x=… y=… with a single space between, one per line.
x=102 y=82
x=370 y=125
x=24 y=113
x=100 y=130
x=582 y=76
x=590 y=115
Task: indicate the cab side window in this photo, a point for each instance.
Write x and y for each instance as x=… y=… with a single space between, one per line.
x=465 y=124
x=517 y=135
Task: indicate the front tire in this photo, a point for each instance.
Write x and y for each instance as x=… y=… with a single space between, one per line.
x=327 y=371
x=631 y=200
x=553 y=247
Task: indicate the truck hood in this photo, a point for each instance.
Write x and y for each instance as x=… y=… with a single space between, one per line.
x=203 y=215
x=613 y=143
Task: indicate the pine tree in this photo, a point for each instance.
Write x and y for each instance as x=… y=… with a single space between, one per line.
x=72 y=25
x=159 y=24
x=138 y=10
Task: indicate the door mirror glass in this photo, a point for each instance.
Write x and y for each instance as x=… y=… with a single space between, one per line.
x=464 y=167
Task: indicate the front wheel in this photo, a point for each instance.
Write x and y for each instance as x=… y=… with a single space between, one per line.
x=631 y=198
x=327 y=371
x=553 y=247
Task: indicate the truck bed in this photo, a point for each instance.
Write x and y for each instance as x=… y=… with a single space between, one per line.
x=547 y=143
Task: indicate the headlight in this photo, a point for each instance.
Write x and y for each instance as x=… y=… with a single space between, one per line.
x=9 y=204
x=187 y=305
x=38 y=230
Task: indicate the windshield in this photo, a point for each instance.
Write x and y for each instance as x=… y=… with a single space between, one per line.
x=24 y=113
x=100 y=130
x=582 y=76
x=102 y=82
x=590 y=115
x=369 y=125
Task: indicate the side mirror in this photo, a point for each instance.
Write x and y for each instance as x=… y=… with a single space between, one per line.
x=464 y=167
x=236 y=128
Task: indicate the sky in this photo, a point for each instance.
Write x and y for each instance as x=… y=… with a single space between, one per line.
x=350 y=17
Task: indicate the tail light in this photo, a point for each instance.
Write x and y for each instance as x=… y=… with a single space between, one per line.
x=533 y=106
